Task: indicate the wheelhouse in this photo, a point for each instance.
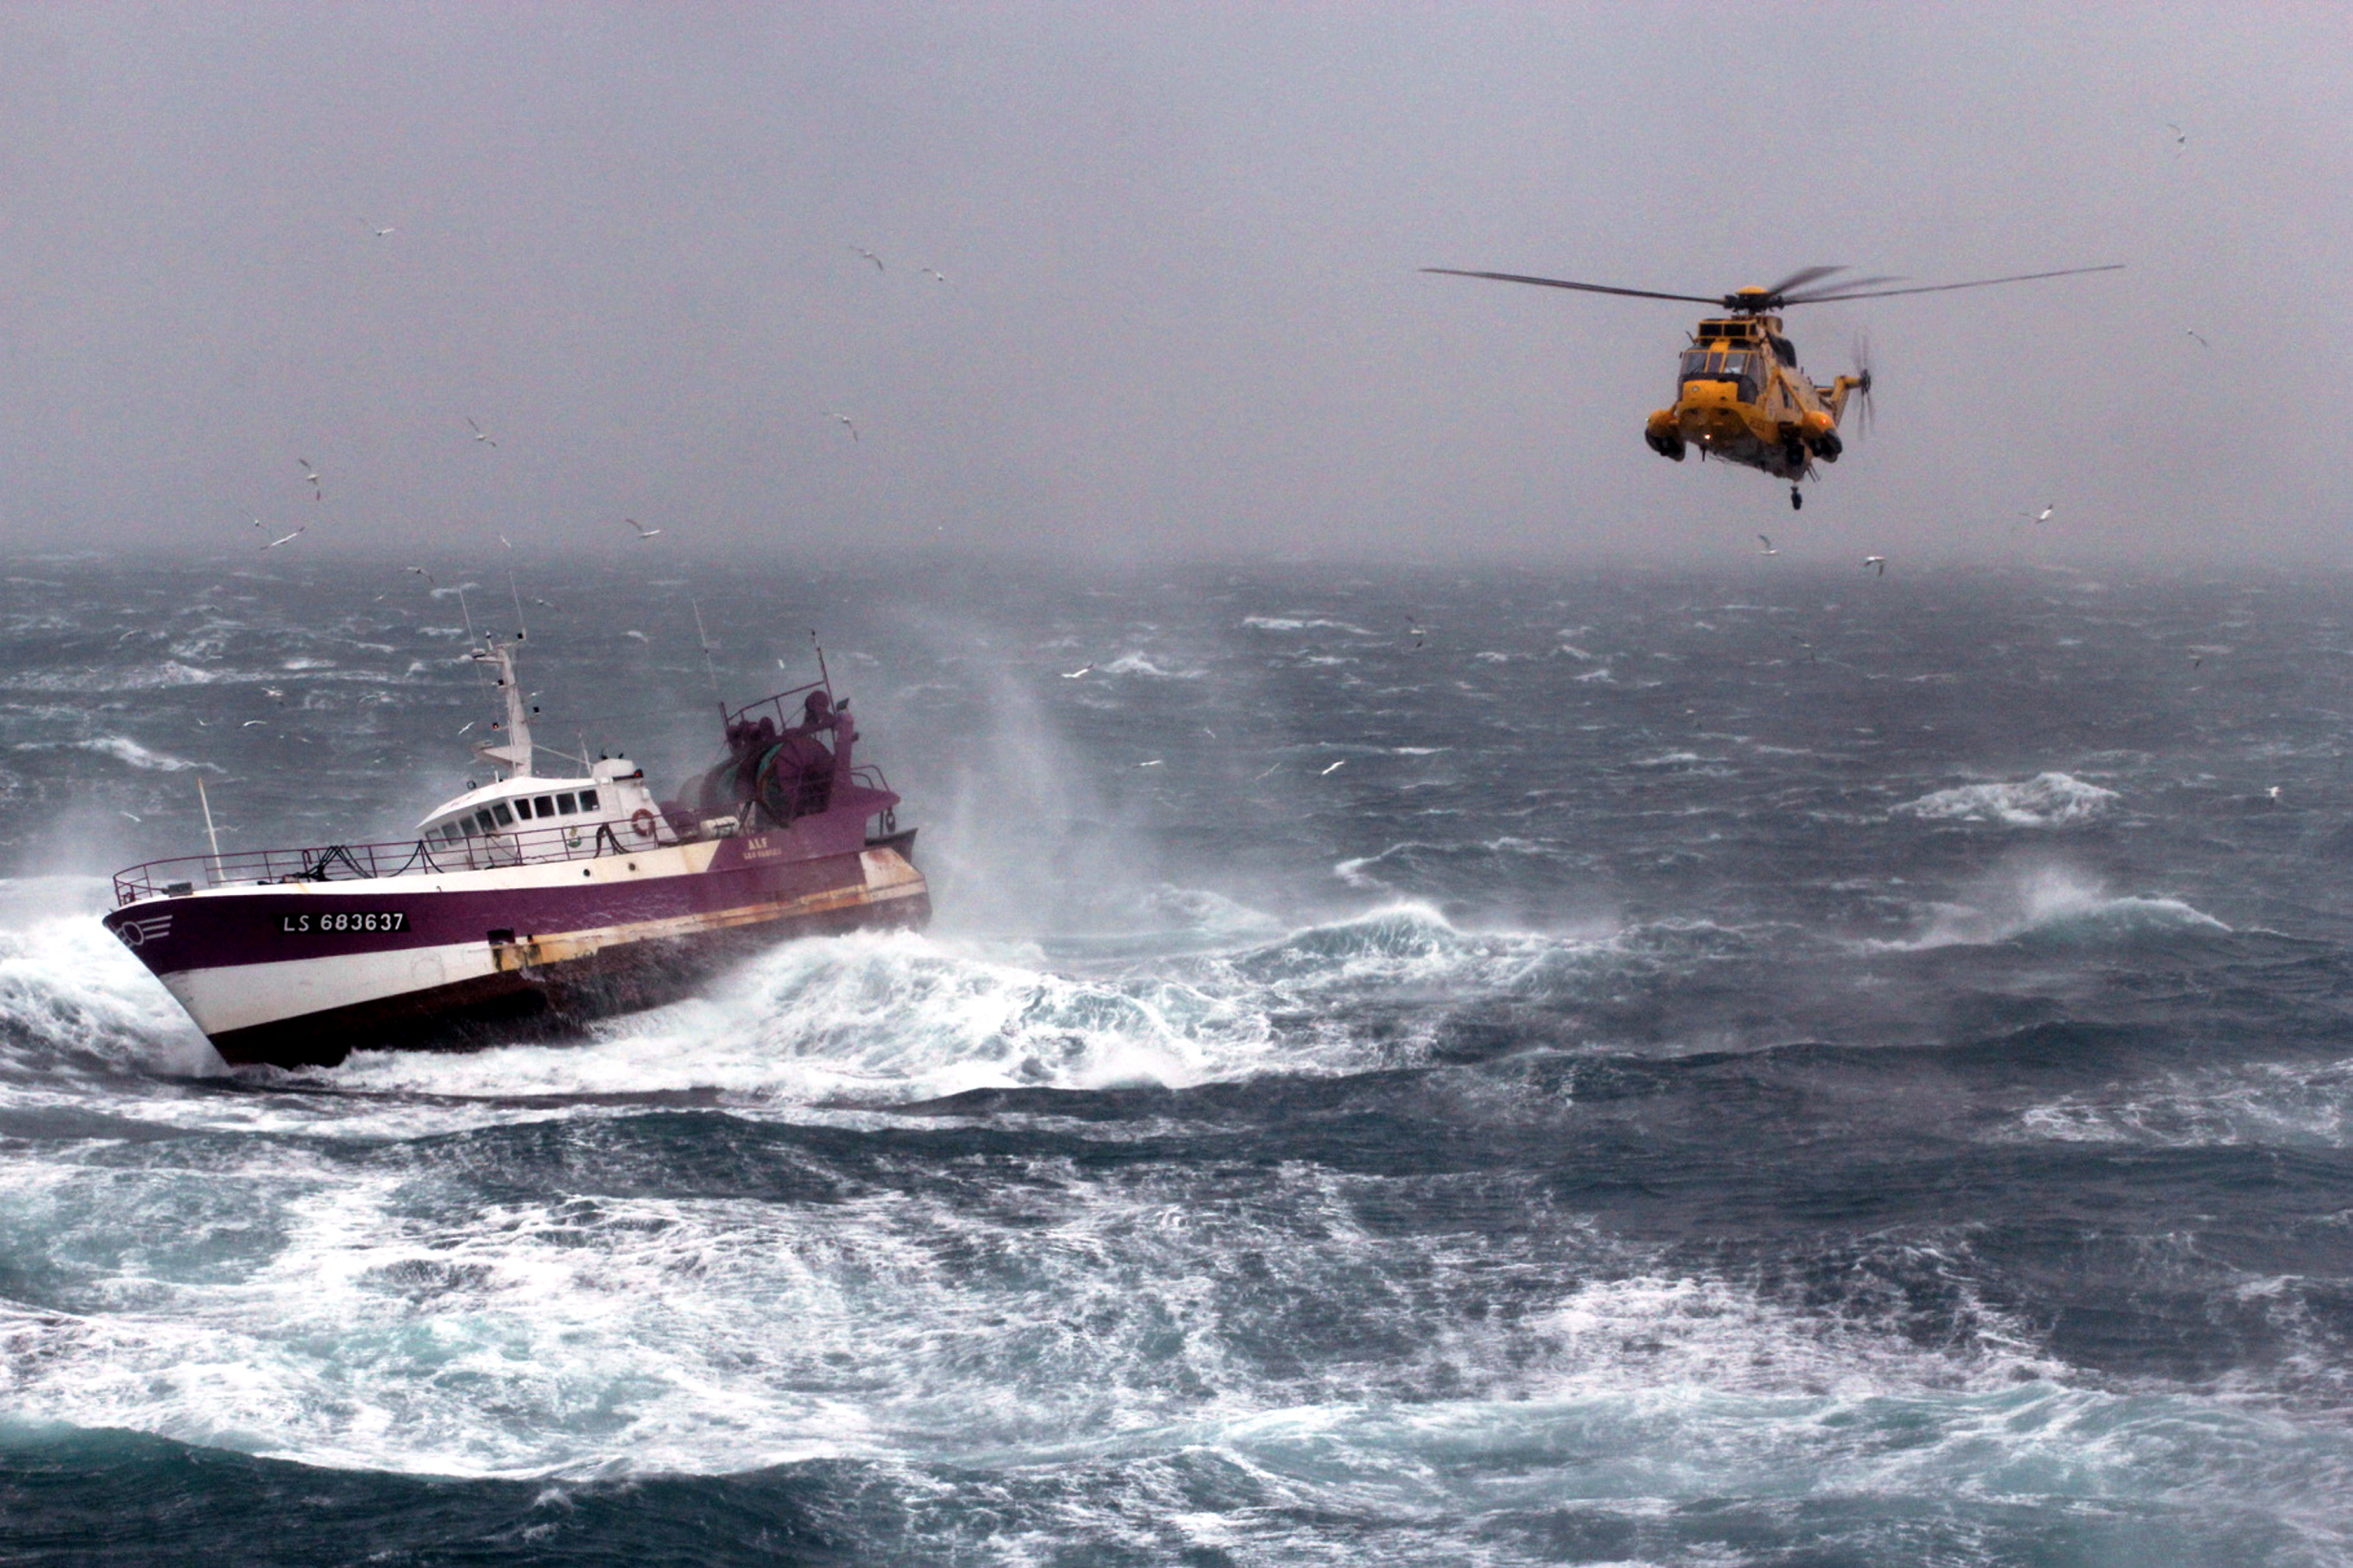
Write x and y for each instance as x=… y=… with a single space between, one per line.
x=530 y=818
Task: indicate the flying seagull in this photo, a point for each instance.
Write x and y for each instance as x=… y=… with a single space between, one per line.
x=2201 y=342
x=1765 y=546
x=1880 y=562
x=934 y=275
x=421 y=571
x=317 y=492
x=1153 y=764
x=845 y=423
x=2042 y=516
x=1075 y=674
x=1334 y=768
x=2180 y=138
x=286 y=539
x=870 y=257
x=379 y=232
x=479 y=435
x=643 y=532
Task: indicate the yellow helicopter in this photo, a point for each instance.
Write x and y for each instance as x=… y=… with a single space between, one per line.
x=1740 y=395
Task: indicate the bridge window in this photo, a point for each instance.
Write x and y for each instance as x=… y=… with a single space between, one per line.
x=522 y=806
x=588 y=800
x=544 y=806
x=506 y=817
x=563 y=804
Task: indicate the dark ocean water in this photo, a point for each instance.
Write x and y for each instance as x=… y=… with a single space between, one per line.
x=1778 y=1067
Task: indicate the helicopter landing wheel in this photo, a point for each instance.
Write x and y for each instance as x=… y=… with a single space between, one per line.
x=1797 y=501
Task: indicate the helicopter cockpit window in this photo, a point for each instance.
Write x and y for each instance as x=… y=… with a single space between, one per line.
x=1716 y=365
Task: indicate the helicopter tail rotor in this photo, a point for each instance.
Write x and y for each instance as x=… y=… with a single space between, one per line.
x=1866 y=416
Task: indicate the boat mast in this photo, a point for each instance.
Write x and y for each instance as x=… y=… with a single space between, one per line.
x=513 y=752
x=210 y=834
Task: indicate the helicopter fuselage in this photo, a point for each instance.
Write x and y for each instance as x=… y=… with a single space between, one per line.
x=1742 y=398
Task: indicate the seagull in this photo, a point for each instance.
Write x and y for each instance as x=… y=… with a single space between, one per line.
x=935 y=275
x=845 y=423
x=1334 y=768
x=640 y=635
x=1880 y=562
x=643 y=532
x=505 y=541
x=1810 y=655
x=543 y=602
x=870 y=257
x=250 y=724
x=421 y=571
x=1153 y=764
x=479 y=433
x=317 y=492
x=2201 y=342
x=287 y=539
x=2180 y=138
x=1075 y=674
x=133 y=815
x=273 y=694
x=2272 y=791
x=2042 y=516
x=379 y=232
x=466 y=726
x=1767 y=545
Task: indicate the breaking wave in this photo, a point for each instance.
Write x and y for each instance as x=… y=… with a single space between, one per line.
x=2046 y=800
x=2055 y=906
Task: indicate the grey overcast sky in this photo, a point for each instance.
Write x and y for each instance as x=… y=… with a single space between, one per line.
x=1182 y=313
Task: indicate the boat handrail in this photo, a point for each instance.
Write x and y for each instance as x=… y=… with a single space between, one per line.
x=785 y=717
x=395 y=858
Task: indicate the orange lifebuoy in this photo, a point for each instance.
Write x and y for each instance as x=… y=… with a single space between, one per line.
x=643 y=821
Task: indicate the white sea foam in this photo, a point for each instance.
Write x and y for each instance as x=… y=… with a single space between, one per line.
x=2271 y=1105
x=1366 y=871
x=1302 y=623
x=123 y=749
x=1136 y=663
x=73 y=998
x=2046 y=800
x=139 y=678
x=2053 y=904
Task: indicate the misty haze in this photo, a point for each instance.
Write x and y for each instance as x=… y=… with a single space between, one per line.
x=857 y=786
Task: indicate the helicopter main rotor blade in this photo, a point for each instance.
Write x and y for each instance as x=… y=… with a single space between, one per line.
x=1850 y=283
x=1564 y=283
x=1803 y=276
x=1946 y=288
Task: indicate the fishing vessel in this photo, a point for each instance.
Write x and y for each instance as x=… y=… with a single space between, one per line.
x=533 y=902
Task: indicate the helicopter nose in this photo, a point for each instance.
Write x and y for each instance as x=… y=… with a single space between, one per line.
x=1707 y=413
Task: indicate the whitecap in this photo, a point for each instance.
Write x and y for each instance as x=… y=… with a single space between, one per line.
x=1136 y=663
x=2046 y=800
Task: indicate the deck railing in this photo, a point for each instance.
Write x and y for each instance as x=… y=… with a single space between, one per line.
x=402 y=857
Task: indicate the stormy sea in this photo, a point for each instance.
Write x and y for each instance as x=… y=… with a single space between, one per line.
x=1770 y=1065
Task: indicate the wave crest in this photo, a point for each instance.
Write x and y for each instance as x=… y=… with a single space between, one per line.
x=2046 y=800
